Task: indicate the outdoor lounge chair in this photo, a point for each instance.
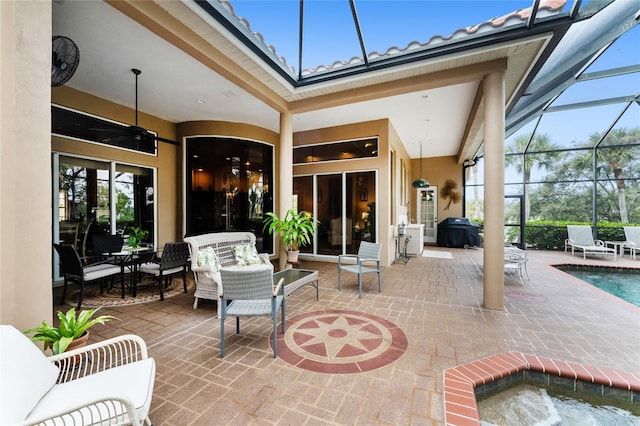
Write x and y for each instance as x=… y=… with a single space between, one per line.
x=632 y=236
x=581 y=238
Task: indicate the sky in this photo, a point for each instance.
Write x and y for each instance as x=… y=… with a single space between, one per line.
x=330 y=35
x=329 y=31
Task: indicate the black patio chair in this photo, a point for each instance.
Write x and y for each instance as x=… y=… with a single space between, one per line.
x=174 y=259
x=73 y=269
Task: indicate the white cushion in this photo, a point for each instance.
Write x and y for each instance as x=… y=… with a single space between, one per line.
x=100 y=271
x=207 y=257
x=131 y=381
x=246 y=254
x=26 y=375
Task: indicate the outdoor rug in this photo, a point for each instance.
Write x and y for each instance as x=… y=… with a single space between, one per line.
x=437 y=254
x=147 y=292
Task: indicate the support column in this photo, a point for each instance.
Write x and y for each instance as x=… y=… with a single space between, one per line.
x=25 y=164
x=494 y=121
x=285 y=175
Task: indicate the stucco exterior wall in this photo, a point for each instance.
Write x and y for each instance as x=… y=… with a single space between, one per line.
x=168 y=161
x=25 y=169
x=379 y=129
x=436 y=170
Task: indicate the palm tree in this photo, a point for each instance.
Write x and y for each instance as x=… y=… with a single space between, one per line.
x=540 y=153
x=617 y=159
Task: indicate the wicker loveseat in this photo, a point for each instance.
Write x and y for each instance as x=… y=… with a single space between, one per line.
x=208 y=280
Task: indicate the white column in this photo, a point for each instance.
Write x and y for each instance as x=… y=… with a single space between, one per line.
x=493 y=285
x=285 y=174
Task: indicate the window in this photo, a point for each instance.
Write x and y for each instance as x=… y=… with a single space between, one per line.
x=229 y=184
x=364 y=148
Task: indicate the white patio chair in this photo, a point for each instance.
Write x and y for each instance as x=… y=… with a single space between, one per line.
x=109 y=382
x=515 y=261
x=581 y=238
x=632 y=236
x=252 y=293
x=368 y=254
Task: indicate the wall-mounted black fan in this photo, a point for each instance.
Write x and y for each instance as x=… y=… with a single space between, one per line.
x=133 y=133
x=65 y=57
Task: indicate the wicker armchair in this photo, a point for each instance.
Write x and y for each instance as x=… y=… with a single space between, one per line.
x=110 y=382
x=207 y=280
x=252 y=293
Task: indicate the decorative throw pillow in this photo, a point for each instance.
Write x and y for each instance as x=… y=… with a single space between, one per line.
x=246 y=255
x=207 y=257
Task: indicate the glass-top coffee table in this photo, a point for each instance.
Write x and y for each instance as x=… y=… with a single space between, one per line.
x=296 y=278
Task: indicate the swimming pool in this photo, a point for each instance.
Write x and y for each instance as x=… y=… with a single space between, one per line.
x=621 y=282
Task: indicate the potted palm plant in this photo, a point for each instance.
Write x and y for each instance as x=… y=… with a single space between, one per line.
x=295 y=228
x=72 y=333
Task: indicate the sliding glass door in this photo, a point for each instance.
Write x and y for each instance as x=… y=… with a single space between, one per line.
x=345 y=205
x=90 y=193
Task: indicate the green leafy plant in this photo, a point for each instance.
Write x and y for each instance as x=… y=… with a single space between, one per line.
x=71 y=327
x=295 y=228
x=136 y=235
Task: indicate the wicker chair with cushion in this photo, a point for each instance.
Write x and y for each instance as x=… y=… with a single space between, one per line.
x=367 y=262
x=174 y=260
x=73 y=269
x=211 y=251
x=252 y=293
x=110 y=382
x=105 y=245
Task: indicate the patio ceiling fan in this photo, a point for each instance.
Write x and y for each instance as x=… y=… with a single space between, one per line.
x=133 y=132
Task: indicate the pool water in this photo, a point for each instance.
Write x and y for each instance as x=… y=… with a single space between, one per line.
x=528 y=404
x=621 y=282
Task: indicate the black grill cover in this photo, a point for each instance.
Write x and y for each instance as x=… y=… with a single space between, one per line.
x=458 y=232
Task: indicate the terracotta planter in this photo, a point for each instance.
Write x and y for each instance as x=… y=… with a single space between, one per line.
x=79 y=342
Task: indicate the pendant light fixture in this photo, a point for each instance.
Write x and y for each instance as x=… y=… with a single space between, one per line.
x=420 y=182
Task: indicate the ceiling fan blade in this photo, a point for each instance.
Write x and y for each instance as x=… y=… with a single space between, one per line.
x=169 y=141
x=106 y=130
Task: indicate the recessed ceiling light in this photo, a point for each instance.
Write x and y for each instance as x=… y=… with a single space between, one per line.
x=195 y=155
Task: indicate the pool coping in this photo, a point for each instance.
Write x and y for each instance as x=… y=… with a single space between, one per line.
x=460 y=405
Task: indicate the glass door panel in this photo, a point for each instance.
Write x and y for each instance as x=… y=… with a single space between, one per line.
x=427 y=213
x=135 y=200
x=83 y=201
x=329 y=189
x=303 y=195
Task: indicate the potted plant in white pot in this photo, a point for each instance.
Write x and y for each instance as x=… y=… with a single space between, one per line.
x=72 y=333
x=295 y=228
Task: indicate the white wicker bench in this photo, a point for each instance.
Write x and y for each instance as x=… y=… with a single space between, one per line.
x=207 y=281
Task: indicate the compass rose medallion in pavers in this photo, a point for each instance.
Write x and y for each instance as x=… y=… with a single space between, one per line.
x=340 y=342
